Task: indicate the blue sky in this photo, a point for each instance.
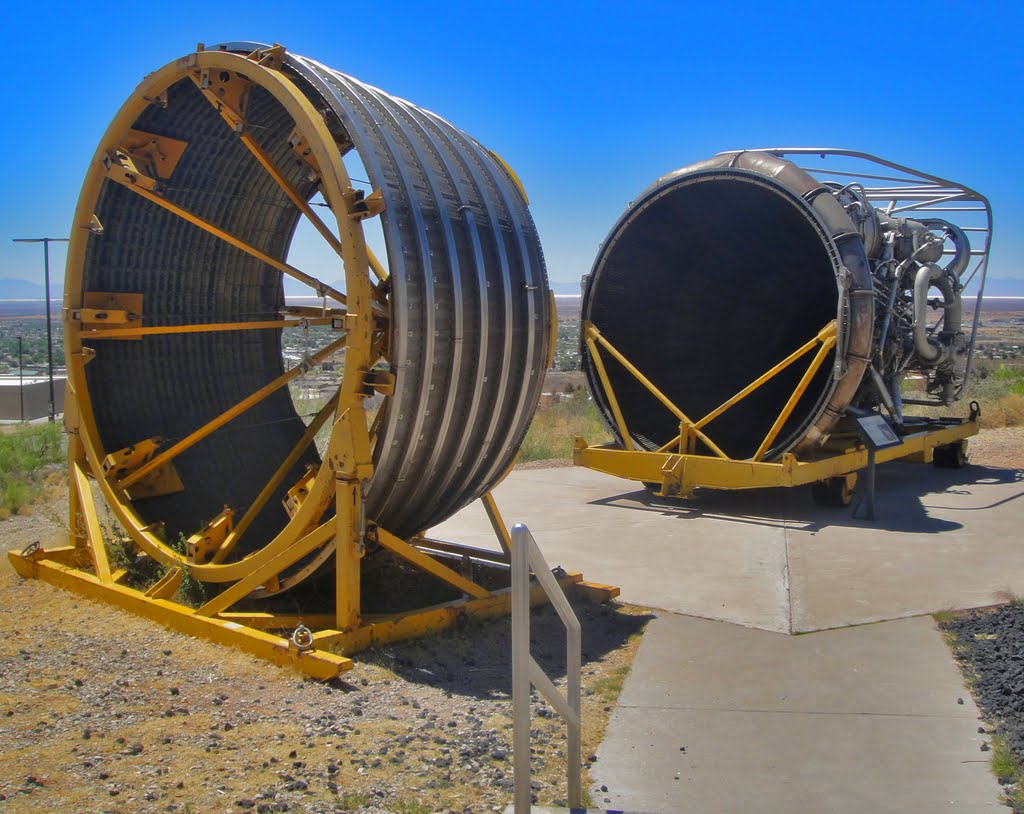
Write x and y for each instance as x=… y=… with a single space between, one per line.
x=588 y=102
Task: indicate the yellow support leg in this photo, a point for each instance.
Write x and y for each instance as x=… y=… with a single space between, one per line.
x=91 y=523
x=348 y=551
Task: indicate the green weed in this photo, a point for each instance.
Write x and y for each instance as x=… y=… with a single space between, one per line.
x=1004 y=763
x=945 y=616
x=408 y=807
x=352 y=799
x=191 y=591
x=610 y=687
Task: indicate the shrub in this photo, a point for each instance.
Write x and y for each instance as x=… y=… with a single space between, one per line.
x=24 y=452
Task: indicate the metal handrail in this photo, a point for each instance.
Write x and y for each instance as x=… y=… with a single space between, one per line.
x=525 y=671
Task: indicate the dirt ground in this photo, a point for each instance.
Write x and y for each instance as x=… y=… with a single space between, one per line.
x=104 y=712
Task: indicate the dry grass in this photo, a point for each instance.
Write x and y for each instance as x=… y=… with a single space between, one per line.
x=998 y=390
x=1007 y=411
x=552 y=432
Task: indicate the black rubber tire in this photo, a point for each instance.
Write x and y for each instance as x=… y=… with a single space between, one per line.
x=951 y=456
x=832 y=492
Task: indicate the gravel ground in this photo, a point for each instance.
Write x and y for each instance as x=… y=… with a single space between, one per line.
x=101 y=711
x=988 y=643
x=989 y=646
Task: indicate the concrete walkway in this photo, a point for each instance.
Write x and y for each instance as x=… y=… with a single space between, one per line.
x=862 y=719
x=855 y=719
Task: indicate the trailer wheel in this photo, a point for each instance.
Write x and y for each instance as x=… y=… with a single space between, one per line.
x=951 y=456
x=836 y=491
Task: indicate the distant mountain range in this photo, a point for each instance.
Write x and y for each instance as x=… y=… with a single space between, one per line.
x=14 y=289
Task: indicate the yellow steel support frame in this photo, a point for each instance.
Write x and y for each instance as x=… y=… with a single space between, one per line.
x=83 y=567
x=679 y=470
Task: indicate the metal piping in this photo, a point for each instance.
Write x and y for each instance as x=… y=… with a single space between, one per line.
x=962 y=256
x=930 y=350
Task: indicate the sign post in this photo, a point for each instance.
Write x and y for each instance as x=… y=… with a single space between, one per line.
x=876 y=434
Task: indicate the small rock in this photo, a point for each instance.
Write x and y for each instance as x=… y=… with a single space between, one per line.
x=984 y=747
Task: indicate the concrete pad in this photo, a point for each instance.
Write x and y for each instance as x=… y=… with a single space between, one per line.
x=854 y=720
x=671 y=558
x=771 y=558
x=951 y=539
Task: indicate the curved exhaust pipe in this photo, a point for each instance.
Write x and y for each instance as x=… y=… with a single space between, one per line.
x=930 y=350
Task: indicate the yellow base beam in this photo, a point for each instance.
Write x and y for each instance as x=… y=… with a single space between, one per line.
x=315 y=663
x=248 y=631
x=681 y=474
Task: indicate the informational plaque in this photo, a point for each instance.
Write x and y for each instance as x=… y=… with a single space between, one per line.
x=877 y=433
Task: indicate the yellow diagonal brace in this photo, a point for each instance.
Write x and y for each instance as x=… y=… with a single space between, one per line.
x=227 y=415
x=801 y=388
x=303 y=206
x=593 y=334
x=209 y=327
x=317 y=285
x=497 y=523
x=606 y=383
x=93 y=535
x=236 y=121
x=295 y=552
x=429 y=564
x=807 y=347
x=165 y=587
x=275 y=481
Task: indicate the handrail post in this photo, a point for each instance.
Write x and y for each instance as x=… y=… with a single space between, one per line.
x=521 y=671
x=525 y=670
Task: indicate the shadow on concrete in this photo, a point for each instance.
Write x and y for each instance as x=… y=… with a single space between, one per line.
x=905 y=496
x=474 y=657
